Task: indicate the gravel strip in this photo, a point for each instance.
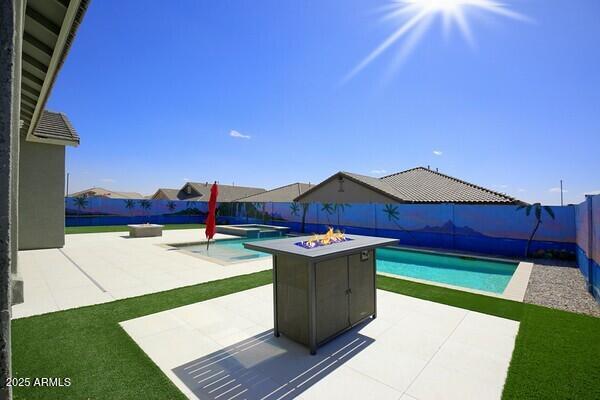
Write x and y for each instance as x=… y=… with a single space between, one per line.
x=560 y=287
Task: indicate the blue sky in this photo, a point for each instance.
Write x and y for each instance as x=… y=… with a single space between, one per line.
x=155 y=91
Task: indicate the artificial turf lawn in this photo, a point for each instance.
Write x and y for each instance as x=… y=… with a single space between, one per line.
x=123 y=228
x=89 y=346
x=556 y=352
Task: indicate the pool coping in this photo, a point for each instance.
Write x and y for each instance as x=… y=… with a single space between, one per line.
x=175 y=247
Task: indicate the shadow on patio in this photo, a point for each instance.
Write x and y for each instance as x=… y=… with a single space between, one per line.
x=266 y=367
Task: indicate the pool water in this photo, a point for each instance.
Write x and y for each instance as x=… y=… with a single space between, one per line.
x=228 y=250
x=473 y=273
x=468 y=272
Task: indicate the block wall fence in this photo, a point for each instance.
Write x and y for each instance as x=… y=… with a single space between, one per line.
x=587 y=225
x=568 y=232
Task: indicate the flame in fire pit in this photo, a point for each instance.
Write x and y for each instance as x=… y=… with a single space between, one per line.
x=323 y=240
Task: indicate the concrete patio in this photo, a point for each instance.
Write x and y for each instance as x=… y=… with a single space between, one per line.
x=96 y=268
x=224 y=349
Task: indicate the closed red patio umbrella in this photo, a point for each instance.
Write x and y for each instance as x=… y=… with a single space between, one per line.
x=212 y=210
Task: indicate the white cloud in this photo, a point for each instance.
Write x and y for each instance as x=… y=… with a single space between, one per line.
x=592 y=192
x=556 y=190
x=108 y=180
x=378 y=171
x=438 y=152
x=501 y=186
x=186 y=179
x=238 y=135
x=521 y=190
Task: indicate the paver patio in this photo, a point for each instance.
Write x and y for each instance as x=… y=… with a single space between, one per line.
x=224 y=348
x=99 y=267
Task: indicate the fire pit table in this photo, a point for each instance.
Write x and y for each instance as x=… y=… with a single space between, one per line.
x=321 y=291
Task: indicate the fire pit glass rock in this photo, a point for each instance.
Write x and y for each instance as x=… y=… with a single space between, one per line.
x=328 y=238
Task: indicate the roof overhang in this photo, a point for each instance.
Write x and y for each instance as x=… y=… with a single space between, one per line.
x=49 y=28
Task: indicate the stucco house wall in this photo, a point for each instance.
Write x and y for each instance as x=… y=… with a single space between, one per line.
x=41 y=196
x=352 y=193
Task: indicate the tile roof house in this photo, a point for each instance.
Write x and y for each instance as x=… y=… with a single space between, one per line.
x=165 y=194
x=111 y=194
x=416 y=185
x=285 y=193
x=195 y=191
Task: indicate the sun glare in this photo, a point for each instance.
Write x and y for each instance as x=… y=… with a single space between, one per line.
x=439 y=5
x=415 y=17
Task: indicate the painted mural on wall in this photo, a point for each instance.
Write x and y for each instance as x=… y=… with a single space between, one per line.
x=587 y=221
x=98 y=206
x=536 y=231
x=104 y=211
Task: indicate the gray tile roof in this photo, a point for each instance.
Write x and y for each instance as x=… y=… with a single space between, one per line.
x=170 y=194
x=285 y=193
x=56 y=126
x=422 y=185
x=226 y=192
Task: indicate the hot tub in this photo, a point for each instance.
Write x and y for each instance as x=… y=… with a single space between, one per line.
x=253 y=230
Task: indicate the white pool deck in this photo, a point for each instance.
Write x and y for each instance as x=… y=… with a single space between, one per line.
x=95 y=268
x=224 y=349
x=415 y=349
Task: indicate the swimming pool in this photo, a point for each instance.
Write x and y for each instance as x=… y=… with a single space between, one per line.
x=474 y=273
x=227 y=250
x=468 y=272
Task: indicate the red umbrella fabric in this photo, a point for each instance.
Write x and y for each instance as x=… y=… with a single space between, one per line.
x=212 y=209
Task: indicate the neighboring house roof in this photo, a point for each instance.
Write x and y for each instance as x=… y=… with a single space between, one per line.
x=56 y=127
x=49 y=28
x=226 y=192
x=112 y=194
x=170 y=194
x=422 y=185
x=285 y=193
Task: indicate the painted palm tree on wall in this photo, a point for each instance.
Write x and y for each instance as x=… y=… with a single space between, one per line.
x=171 y=205
x=327 y=208
x=81 y=202
x=262 y=207
x=538 y=210
x=265 y=215
x=339 y=209
x=129 y=204
x=248 y=207
x=392 y=213
x=295 y=208
x=146 y=204
x=238 y=209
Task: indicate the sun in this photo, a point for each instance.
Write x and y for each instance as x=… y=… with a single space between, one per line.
x=439 y=5
x=415 y=17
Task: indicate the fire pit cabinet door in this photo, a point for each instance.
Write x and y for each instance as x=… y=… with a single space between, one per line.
x=361 y=272
x=332 y=298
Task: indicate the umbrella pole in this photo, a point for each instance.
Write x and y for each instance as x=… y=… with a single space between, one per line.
x=207 y=242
